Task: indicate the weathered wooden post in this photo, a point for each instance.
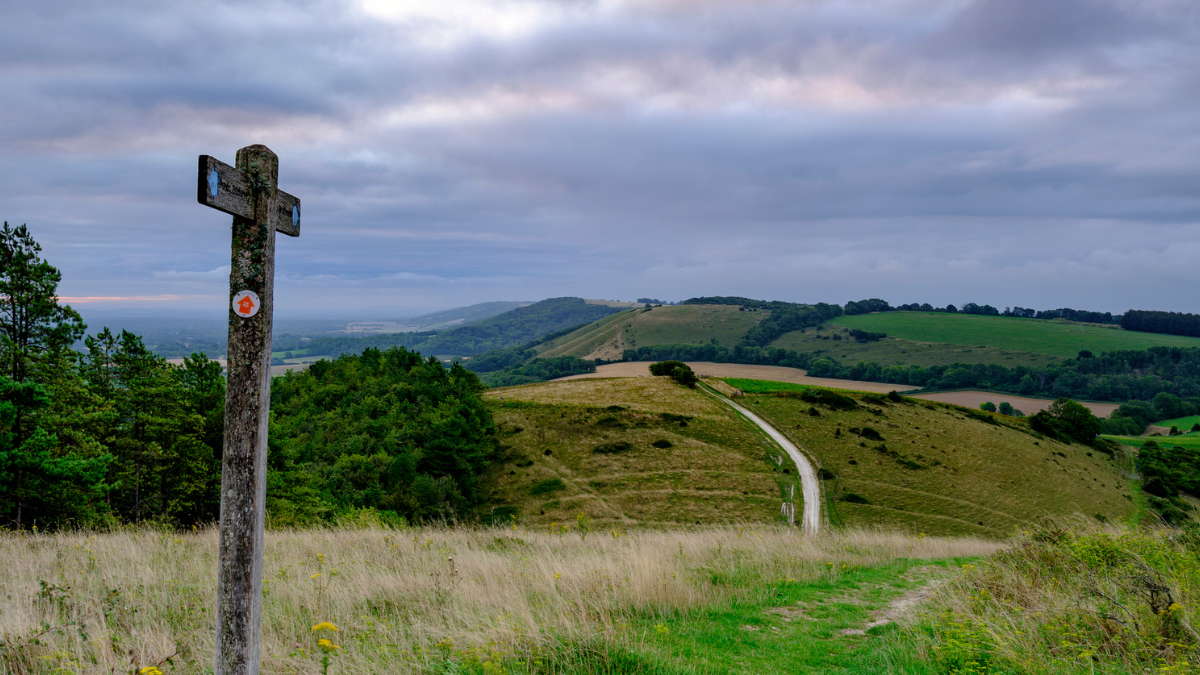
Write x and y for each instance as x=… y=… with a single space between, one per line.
x=259 y=208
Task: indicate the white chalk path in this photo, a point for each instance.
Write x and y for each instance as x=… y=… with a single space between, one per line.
x=810 y=489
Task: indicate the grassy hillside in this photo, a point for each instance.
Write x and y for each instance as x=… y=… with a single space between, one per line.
x=939 y=468
x=891 y=351
x=724 y=325
x=1058 y=338
x=511 y=328
x=935 y=468
x=589 y=446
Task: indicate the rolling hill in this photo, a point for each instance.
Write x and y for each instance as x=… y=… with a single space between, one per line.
x=607 y=339
x=589 y=446
x=508 y=329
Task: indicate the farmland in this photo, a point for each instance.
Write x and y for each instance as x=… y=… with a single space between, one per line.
x=1057 y=338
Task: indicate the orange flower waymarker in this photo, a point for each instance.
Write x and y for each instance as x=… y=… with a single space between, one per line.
x=250 y=194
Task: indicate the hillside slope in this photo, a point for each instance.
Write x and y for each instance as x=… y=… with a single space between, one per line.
x=935 y=468
x=939 y=468
x=607 y=339
x=940 y=339
x=508 y=329
x=589 y=446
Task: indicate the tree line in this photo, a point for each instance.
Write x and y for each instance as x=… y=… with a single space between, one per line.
x=113 y=433
x=1170 y=323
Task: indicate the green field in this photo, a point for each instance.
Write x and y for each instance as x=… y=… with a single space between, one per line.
x=1190 y=441
x=1058 y=338
x=1181 y=423
x=891 y=351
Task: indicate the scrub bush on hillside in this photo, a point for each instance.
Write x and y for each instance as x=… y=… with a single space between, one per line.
x=387 y=430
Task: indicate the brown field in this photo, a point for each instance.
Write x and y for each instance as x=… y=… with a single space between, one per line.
x=1029 y=406
x=772 y=373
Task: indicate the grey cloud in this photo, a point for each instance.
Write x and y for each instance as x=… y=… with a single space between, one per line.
x=795 y=150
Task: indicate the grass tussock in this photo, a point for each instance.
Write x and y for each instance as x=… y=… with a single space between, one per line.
x=416 y=600
x=1071 y=597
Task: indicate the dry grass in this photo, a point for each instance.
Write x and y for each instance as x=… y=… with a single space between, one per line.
x=966 y=476
x=716 y=468
x=1071 y=597
x=122 y=601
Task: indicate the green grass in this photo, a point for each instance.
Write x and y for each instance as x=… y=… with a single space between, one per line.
x=790 y=627
x=891 y=351
x=1181 y=423
x=1185 y=441
x=1058 y=338
x=762 y=386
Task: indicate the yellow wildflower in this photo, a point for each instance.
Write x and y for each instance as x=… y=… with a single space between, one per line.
x=150 y=670
x=327 y=646
x=325 y=625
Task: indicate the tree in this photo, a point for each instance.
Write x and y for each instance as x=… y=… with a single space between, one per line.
x=32 y=323
x=1077 y=421
x=36 y=482
x=988 y=406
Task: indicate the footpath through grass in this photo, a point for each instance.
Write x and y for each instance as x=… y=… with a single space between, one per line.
x=1056 y=338
x=483 y=601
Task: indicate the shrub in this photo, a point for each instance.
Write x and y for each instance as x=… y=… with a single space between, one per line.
x=613 y=448
x=987 y=406
x=867 y=433
x=662 y=443
x=545 y=486
x=829 y=399
x=854 y=498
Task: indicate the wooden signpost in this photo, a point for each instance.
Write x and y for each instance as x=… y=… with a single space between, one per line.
x=248 y=193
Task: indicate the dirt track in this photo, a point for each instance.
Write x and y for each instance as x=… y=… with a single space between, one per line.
x=773 y=373
x=1029 y=406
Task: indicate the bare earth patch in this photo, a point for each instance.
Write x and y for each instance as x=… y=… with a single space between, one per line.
x=899 y=608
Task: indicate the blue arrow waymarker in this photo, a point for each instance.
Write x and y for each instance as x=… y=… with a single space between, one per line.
x=213 y=181
x=295 y=216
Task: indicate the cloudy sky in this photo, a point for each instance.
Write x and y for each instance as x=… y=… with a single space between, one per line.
x=1015 y=152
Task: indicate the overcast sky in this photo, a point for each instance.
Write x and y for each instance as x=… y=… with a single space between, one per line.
x=1041 y=153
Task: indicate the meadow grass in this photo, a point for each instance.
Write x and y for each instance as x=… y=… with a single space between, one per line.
x=1057 y=338
x=892 y=351
x=1181 y=423
x=465 y=600
x=1069 y=597
x=1191 y=441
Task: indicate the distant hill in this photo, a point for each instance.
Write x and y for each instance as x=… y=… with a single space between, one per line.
x=608 y=338
x=511 y=328
x=646 y=451
x=462 y=315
